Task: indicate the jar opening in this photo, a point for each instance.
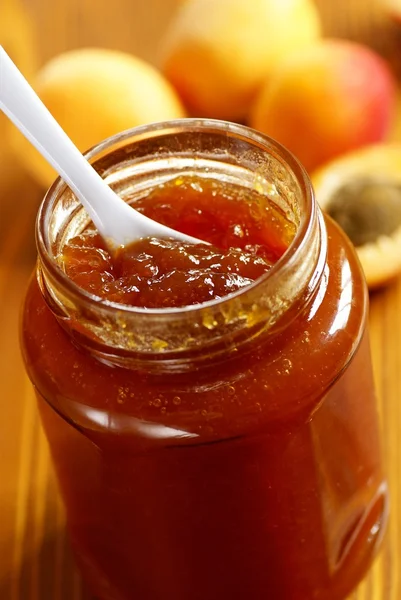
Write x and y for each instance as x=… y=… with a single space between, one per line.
x=141 y=159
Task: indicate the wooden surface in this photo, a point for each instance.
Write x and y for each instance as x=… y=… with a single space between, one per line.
x=35 y=560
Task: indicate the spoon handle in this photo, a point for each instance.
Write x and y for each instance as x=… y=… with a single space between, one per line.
x=117 y=222
x=24 y=108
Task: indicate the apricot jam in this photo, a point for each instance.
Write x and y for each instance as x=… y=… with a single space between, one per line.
x=247 y=239
x=210 y=409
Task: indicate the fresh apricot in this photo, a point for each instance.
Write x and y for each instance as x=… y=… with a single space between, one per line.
x=217 y=53
x=326 y=100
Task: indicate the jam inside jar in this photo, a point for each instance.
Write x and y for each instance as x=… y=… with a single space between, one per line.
x=222 y=449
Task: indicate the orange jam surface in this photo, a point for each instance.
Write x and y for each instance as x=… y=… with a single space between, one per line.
x=246 y=238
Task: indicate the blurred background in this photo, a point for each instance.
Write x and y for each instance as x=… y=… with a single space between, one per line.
x=135 y=26
x=217 y=62
x=266 y=63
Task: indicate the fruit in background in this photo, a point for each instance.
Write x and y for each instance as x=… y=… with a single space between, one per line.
x=329 y=99
x=217 y=53
x=17 y=36
x=362 y=192
x=17 y=39
x=95 y=93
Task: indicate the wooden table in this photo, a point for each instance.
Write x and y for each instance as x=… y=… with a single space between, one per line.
x=35 y=560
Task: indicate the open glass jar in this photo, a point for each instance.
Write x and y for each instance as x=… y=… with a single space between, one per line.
x=223 y=450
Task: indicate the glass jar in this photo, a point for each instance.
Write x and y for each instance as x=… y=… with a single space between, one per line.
x=223 y=450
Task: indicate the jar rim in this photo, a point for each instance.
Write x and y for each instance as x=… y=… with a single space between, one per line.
x=193 y=125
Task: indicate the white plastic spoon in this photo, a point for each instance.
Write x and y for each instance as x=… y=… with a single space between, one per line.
x=118 y=223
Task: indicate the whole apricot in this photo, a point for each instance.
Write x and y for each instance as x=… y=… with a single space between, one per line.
x=95 y=93
x=217 y=53
x=326 y=100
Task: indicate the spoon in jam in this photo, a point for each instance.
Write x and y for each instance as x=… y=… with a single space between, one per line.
x=117 y=222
